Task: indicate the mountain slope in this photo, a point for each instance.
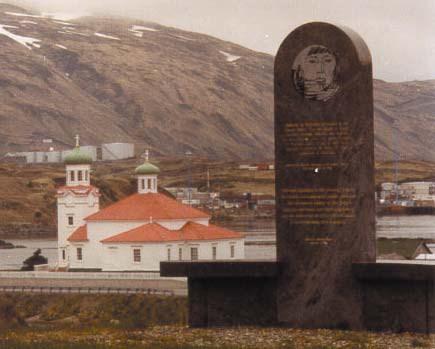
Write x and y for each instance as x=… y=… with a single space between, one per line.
x=167 y=89
x=110 y=81
x=405 y=114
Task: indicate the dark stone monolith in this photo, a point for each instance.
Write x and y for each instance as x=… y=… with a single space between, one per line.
x=324 y=148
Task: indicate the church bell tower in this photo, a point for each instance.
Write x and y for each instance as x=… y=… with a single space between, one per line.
x=76 y=200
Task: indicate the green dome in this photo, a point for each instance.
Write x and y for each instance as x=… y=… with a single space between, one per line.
x=147 y=169
x=77 y=156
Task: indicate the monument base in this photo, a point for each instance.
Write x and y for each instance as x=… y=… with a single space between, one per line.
x=397 y=296
x=228 y=293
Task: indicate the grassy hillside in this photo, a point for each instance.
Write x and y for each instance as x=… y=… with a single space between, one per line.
x=29 y=191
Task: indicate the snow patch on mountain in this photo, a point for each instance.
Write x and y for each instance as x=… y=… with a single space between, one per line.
x=23 y=15
x=23 y=40
x=230 y=57
x=183 y=37
x=141 y=27
x=62 y=16
x=106 y=36
x=64 y=23
x=70 y=32
x=137 y=30
x=28 y=22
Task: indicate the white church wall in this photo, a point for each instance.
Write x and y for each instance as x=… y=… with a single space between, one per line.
x=85 y=175
x=87 y=252
x=100 y=230
x=77 y=207
x=120 y=256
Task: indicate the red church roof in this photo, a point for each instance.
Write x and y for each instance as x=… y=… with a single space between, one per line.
x=143 y=206
x=154 y=232
x=81 y=234
x=195 y=231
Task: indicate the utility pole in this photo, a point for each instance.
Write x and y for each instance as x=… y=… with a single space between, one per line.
x=396 y=172
x=189 y=190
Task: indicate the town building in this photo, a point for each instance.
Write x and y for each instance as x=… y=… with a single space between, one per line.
x=105 y=152
x=192 y=196
x=137 y=232
x=408 y=194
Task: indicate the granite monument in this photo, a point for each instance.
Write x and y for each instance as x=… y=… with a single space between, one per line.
x=326 y=274
x=324 y=155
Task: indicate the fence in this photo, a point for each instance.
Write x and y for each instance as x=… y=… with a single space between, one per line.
x=149 y=275
x=84 y=290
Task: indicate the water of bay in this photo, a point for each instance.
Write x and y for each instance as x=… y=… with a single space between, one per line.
x=411 y=227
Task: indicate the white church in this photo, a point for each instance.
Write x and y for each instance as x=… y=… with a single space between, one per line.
x=135 y=233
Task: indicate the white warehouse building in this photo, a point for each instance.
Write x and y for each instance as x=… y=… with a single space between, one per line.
x=116 y=151
x=135 y=233
x=110 y=151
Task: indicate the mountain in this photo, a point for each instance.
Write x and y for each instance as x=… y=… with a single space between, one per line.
x=123 y=80
x=114 y=80
x=405 y=118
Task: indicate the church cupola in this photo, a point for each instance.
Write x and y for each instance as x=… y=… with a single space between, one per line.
x=147 y=176
x=78 y=166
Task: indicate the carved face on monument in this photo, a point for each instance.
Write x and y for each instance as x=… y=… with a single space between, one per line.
x=314 y=73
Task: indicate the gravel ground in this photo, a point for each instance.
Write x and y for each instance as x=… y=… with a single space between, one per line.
x=182 y=337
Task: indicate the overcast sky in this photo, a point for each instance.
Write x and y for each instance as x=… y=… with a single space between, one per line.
x=399 y=33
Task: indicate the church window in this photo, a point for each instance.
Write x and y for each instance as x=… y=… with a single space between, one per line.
x=70 y=220
x=143 y=183
x=79 y=254
x=214 y=252
x=180 y=254
x=149 y=183
x=194 y=253
x=136 y=255
x=232 y=251
x=86 y=175
x=63 y=255
x=80 y=176
x=71 y=176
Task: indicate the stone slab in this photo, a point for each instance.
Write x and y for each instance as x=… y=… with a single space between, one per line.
x=220 y=269
x=399 y=306
x=242 y=301
x=392 y=271
x=324 y=160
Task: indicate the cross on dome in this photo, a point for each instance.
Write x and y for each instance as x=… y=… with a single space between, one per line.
x=77 y=137
x=147 y=155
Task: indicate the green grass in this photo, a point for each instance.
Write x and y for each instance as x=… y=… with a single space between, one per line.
x=120 y=311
